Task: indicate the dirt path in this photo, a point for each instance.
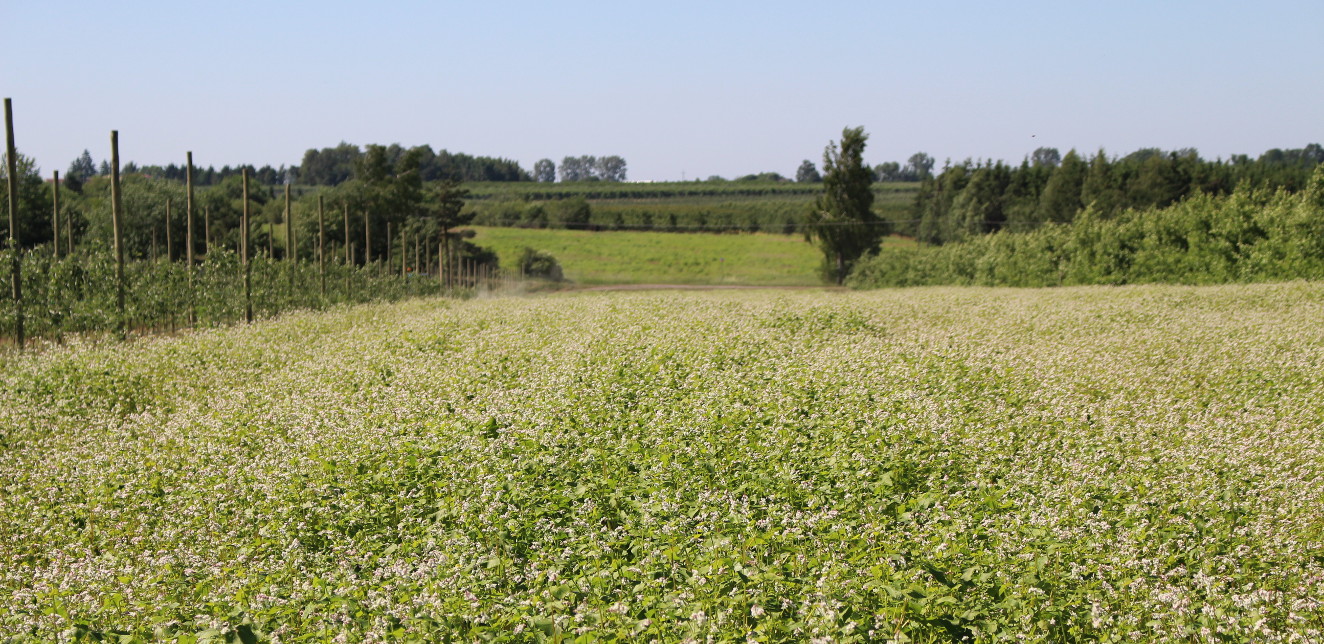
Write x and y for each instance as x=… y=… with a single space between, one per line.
x=704 y=287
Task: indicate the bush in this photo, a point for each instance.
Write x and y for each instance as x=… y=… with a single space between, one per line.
x=1251 y=235
x=539 y=265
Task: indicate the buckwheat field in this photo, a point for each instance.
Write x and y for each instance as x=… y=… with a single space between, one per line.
x=930 y=465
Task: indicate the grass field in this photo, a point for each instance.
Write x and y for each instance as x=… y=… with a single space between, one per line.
x=628 y=257
x=930 y=465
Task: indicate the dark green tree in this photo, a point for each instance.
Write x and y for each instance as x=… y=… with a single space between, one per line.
x=537 y=264
x=544 y=171
x=934 y=204
x=1060 y=200
x=80 y=170
x=1046 y=157
x=888 y=171
x=919 y=167
x=1159 y=181
x=445 y=208
x=842 y=221
x=610 y=168
x=329 y=166
x=1101 y=188
x=979 y=207
x=34 y=202
x=577 y=168
x=807 y=173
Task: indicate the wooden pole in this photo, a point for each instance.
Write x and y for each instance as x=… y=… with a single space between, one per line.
x=404 y=251
x=188 y=217
x=188 y=236
x=291 y=251
x=69 y=232
x=291 y=255
x=117 y=225
x=243 y=254
x=206 y=230
x=367 y=239
x=170 y=256
x=349 y=249
x=389 y=239
x=446 y=259
x=55 y=217
x=16 y=268
x=321 y=244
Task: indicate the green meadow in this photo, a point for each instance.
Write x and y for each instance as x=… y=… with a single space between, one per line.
x=634 y=257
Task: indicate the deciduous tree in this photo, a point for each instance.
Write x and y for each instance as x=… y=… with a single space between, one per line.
x=544 y=171
x=807 y=173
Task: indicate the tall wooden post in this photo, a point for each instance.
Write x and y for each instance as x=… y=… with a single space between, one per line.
x=188 y=236
x=291 y=255
x=291 y=251
x=69 y=232
x=349 y=259
x=55 y=217
x=188 y=217
x=170 y=256
x=206 y=230
x=243 y=254
x=389 y=239
x=404 y=251
x=117 y=225
x=16 y=268
x=367 y=240
x=321 y=244
x=349 y=249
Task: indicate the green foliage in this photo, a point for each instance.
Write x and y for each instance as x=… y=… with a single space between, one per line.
x=632 y=257
x=1061 y=197
x=1069 y=465
x=144 y=225
x=1251 y=235
x=334 y=166
x=842 y=221
x=539 y=265
x=34 y=203
x=544 y=171
x=1053 y=189
x=807 y=173
x=76 y=295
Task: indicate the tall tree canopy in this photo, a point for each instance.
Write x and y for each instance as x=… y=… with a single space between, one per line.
x=842 y=221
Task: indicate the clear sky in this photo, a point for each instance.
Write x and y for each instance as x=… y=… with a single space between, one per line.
x=677 y=88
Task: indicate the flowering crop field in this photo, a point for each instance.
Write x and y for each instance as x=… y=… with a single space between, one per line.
x=1077 y=464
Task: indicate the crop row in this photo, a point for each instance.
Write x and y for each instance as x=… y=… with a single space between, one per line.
x=1080 y=464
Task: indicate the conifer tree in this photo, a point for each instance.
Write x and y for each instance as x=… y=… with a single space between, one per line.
x=842 y=220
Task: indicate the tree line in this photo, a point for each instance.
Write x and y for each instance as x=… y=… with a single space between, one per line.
x=975 y=198
x=1252 y=234
x=333 y=166
x=581 y=168
x=84 y=168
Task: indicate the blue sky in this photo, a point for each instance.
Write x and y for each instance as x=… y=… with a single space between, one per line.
x=679 y=88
